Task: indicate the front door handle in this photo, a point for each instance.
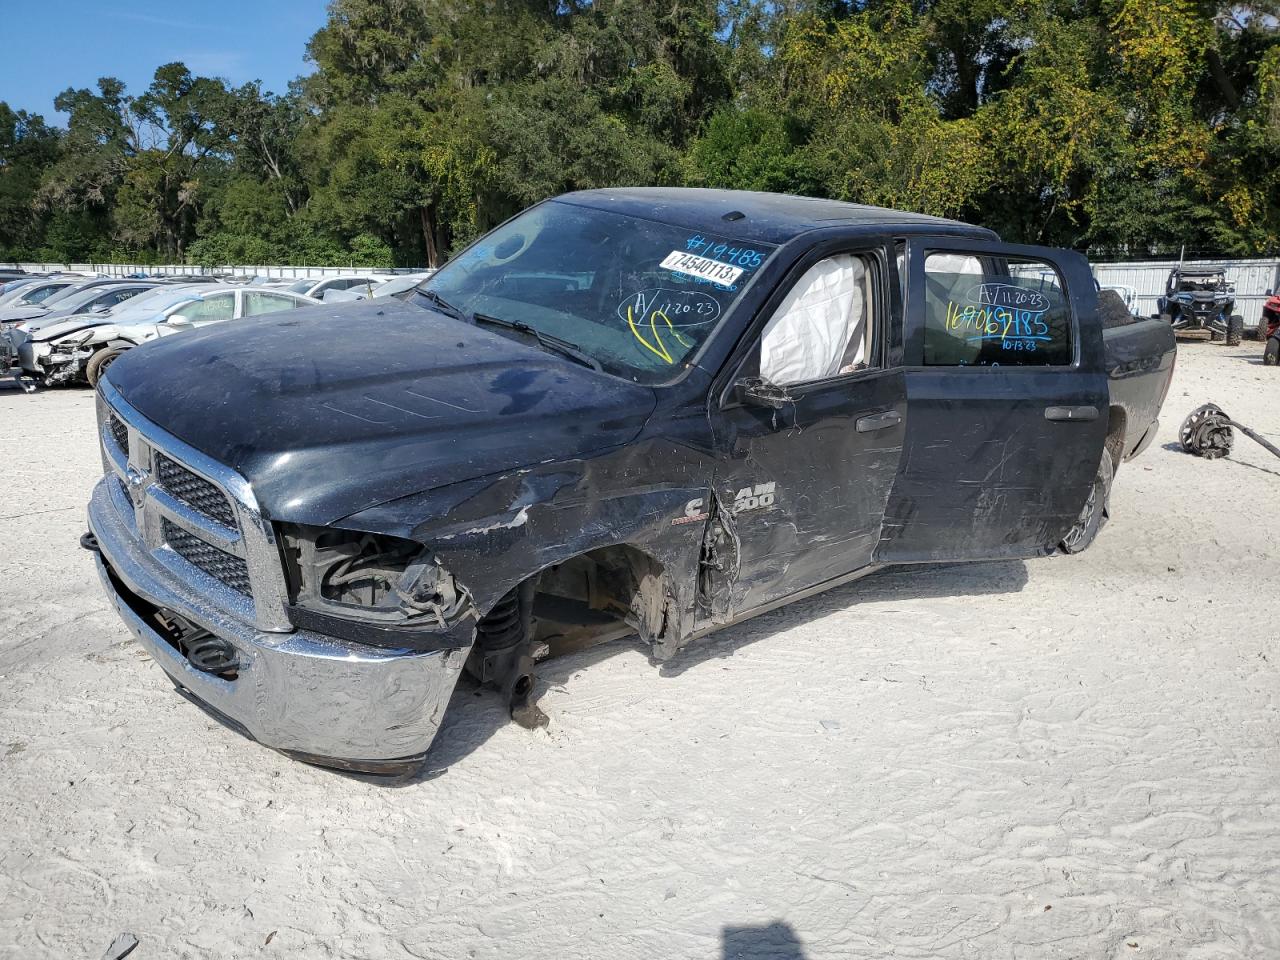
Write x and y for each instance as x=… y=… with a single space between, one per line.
x=878 y=421
x=1071 y=413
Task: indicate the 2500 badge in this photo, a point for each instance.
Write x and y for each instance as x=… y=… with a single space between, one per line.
x=758 y=497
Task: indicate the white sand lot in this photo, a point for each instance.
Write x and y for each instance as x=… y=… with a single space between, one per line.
x=1074 y=757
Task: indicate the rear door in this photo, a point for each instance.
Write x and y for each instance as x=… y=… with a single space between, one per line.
x=1008 y=401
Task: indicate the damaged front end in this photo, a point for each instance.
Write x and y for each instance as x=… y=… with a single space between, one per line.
x=370 y=588
x=52 y=362
x=335 y=647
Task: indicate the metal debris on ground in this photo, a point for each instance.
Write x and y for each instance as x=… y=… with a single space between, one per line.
x=1207 y=433
x=121 y=947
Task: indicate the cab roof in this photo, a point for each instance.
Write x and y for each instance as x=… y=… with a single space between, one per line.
x=771 y=218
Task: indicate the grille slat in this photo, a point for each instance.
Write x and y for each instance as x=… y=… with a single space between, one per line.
x=219 y=564
x=195 y=491
x=119 y=433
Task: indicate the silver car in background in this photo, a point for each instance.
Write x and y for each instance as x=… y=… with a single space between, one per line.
x=81 y=347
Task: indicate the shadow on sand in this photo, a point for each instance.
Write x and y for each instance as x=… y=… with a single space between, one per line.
x=774 y=941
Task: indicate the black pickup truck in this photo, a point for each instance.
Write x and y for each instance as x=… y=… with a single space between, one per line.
x=655 y=411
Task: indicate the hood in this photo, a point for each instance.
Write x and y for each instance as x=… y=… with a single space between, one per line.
x=18 y=314
x=330 y=410
x=56 y=327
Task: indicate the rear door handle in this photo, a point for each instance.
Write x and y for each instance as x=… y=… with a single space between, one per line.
x=878 y=421
x=1071 y=413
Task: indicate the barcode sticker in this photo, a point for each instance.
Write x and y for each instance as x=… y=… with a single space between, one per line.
x=702 y=267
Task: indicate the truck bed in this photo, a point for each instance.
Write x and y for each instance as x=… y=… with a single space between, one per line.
x=1140 y=354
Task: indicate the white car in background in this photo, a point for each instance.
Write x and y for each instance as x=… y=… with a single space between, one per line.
x=82 y=347
x=389 y=287
x=318 y=286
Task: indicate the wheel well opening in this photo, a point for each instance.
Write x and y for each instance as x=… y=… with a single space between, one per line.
x=1115 y=436
x=599 y=596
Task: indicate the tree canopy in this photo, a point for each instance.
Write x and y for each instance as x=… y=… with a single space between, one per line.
x=1124 y=127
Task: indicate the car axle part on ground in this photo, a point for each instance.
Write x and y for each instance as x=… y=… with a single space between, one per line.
x=1207 y=433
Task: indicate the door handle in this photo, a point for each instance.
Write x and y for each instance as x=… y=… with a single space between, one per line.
x=1071 y=413
x=878 y=421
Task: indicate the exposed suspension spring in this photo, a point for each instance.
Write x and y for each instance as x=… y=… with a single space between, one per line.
x=503 y=626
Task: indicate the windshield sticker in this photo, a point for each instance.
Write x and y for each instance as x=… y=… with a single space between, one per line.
x=702 y=268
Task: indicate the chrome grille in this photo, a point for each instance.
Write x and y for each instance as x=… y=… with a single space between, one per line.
x=196 y=517
x=120 y=433
x=194 y=491
x=219 y=564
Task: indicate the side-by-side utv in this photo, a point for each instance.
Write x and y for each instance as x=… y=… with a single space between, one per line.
x=1200 y=298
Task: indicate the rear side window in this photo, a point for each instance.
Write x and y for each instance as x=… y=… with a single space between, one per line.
x=256 y=303
x=993 y=311
x=218 y=307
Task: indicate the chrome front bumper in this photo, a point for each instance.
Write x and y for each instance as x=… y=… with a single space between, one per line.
x=306 y=694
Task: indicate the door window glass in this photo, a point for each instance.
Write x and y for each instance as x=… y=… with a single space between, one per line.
x=41 y=294
x=256 y=303
x=823 y=327
x=219 y=307
x=993 y=311
x=114 y=297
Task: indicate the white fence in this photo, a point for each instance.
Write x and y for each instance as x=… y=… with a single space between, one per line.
x=169 y=270
x=1252 y=278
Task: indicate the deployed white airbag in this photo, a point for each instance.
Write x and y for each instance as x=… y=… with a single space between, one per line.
x=807 y=335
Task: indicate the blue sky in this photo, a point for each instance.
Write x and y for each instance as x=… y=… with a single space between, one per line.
x=57 y=44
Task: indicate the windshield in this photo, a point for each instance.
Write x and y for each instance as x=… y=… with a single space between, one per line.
x=147 y=307
x=1202 y=281
x=38 y=293
x=64 y=295
x=77 y=296
x=14 y=290
x=301 y=286
x=637 y=296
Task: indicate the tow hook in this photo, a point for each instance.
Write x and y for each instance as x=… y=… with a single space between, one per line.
x=90 y=542
x=214 y=655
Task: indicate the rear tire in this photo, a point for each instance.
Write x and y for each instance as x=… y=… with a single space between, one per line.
x=1261 y=330
x=98 y=363
x=1235 y=330
x=1095 y=512
x=1271 y=355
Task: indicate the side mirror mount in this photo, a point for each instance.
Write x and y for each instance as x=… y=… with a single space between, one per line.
x=178 y=320
x=1270 y=292
x=99 y=308
x=759 y=392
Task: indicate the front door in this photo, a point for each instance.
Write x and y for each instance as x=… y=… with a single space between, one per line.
x=802 y=483
x=1008 y=400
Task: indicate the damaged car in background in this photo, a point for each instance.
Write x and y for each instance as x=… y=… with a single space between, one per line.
x=79 y=348
x=649 y=411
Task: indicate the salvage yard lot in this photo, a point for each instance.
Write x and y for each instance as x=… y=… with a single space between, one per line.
x=1075 y=757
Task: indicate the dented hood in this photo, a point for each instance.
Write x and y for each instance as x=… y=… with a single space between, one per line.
x=334 y=409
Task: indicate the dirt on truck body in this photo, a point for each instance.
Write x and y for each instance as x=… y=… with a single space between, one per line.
x=648 y=410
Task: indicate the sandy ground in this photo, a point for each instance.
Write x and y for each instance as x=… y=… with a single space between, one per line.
x=1074 y=757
